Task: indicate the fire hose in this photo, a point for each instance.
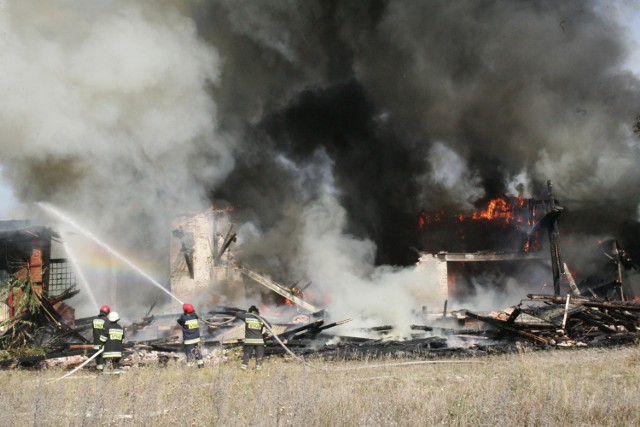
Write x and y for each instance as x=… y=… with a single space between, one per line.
x=226 y=322
x=275 y=336
x=80 y=366
x=266 y=325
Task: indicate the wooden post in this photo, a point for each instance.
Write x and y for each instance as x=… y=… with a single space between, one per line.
x=557 y=266
x=566 y=311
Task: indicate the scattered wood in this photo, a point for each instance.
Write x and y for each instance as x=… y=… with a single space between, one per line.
x=503 y=325
x=548 y=321
x=37 y=323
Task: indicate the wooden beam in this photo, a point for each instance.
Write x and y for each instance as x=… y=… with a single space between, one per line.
x=279 y=289
x=616 y=305
x=492 y=256
x=502 y=325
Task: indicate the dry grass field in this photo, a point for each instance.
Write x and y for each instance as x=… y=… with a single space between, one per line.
x=546 y=388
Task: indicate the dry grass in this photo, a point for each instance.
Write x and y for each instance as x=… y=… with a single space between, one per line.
x=573 y=387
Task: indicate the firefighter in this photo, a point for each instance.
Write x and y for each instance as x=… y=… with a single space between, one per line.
x=191 y=335
x=253 y=336
x=112 y=337
x=98 y=326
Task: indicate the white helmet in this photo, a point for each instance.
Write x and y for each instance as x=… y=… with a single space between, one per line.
x=113 y=316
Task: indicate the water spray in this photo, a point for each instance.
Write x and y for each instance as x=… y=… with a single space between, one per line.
x=82 y=279
x=51 y=210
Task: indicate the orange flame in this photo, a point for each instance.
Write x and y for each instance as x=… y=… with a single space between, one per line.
x=515 y=211
x=427 y=218
x=497 y=208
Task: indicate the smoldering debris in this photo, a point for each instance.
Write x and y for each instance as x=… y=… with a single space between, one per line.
x=544 y=322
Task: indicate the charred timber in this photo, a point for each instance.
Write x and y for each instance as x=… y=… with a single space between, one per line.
x=550 y=222
x=421 y=328
x=503 y=326
x=279 y=289
x=590 y=320
x=330 y=325
x=514 y=314
x=618 y=305
x=298 y=329
x=228 y=239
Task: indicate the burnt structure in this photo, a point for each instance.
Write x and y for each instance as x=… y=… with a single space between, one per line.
x=27 y=252
x=503 y=235
x=550 y=223
x=202 y=266
x=34 y=285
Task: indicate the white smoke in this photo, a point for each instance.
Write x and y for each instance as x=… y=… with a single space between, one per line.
x=105 y=107
x=451 y=171
x=519 y=185
x=342 y=266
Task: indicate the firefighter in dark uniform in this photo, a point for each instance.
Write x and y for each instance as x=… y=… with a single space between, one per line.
x=112 y=338
x=254 y=331
x=98 y=325
x=191 y=335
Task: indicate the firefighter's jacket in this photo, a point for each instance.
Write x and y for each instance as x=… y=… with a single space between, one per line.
x=254 y=328
x=190 y=328
x=112 y=338
x=98 y=326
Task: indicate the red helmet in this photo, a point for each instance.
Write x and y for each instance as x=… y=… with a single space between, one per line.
x=188 y=308
x=105 y=309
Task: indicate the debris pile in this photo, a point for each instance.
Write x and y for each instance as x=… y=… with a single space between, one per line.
x=37 y=322
x=567 y=321
x=548 y=322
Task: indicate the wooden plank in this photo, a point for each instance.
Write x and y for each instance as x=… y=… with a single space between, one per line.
x=616 y=305
x=491 y=256
x=501 y=325
x=279 y=289
x=572 y=283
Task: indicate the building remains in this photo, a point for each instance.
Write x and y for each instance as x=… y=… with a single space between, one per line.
x=590 y=312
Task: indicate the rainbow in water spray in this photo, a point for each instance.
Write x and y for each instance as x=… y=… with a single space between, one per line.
x=51 y=210
x=83 y=280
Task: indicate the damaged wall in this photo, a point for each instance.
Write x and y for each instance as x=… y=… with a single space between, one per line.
x=198 y=274
x=432 y=296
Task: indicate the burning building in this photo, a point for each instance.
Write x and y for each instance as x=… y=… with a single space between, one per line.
x=505 y=237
